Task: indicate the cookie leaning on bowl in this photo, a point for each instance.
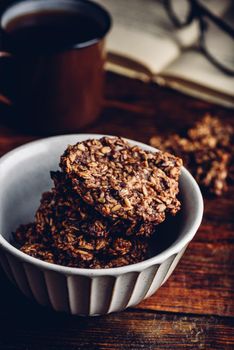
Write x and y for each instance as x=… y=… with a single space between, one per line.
x=122 y=181
x=68 y=232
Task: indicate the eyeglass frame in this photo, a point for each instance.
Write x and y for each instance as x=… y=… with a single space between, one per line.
x=199 y=11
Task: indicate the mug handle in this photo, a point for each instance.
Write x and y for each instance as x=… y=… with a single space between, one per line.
x=5 y=83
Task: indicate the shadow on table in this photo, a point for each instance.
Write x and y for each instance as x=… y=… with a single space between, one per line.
x=26 y=325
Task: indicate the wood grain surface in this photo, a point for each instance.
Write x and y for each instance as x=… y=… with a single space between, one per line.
x=195 y=308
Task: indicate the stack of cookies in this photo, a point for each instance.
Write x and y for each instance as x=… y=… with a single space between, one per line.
x=104 y=206
x=207 y=151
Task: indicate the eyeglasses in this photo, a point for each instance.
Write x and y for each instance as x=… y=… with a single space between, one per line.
x=216 y=39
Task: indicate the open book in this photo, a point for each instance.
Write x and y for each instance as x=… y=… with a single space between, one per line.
x=144 y=44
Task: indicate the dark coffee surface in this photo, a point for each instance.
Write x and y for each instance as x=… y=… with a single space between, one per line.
x=51 y=30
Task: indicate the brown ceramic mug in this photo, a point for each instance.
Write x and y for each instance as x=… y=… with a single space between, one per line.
x=51 y=62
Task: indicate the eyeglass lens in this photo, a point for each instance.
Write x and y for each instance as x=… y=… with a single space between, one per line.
x=180 y=10
x=219 y=45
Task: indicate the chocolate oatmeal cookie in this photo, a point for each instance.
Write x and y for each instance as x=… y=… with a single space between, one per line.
x=207 y=151
x=122 y=181
x=70 y=248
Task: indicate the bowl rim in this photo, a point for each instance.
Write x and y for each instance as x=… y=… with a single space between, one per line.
x=115 y=271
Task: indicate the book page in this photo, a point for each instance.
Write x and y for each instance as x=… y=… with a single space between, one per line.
x=193 y=66
x=153 y=53
x=143 y=32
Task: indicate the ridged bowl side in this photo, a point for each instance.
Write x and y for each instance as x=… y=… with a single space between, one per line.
x=84 y=295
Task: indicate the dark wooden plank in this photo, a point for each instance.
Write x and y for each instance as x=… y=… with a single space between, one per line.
x=202 y=283
x=26 y=325
x=10 y=139
x=136 y=110
x=220 y=210
x=41 y=329
x=180 y=110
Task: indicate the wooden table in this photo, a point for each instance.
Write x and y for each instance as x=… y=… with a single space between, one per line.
x=195 y=308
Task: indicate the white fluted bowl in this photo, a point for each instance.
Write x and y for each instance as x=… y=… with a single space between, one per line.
x=24 y=175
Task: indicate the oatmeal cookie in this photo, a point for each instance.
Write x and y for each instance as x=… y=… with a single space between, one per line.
x=123 y=181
